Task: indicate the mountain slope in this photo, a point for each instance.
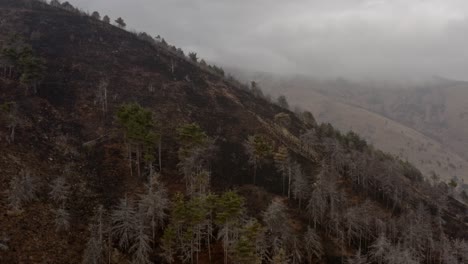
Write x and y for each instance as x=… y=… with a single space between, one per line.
x=389 y=125
x=68 y=125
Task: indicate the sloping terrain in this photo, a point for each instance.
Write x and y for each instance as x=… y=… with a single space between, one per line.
x=419 y=125
x=303 y=193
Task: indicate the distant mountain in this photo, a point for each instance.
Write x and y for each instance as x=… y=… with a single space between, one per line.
x=116 y=147
x=422 y=123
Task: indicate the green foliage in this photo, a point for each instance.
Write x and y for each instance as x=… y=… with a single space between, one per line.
x=354 y=141
x=21 y=57
x=190 y=136
x=138 y=124
x=230 y=206
x=249 y=244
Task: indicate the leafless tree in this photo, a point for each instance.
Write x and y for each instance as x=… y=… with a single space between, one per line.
x=300 y=185
x=23 y=189
x=312 y=244
x=357 y=259
x=59 y=190
x=379 y=249
x=124 y=222
x=62 y=219
x=154 y=205
x=141 y=248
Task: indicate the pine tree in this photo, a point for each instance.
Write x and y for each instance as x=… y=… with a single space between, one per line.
x=96 y=15
x=230 y=208
x=120 y=22
x=106 y=19
x=259 y=150
x=124 y=223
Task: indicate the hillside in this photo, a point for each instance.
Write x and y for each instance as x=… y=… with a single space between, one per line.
x=118 y=148
x=396 y=120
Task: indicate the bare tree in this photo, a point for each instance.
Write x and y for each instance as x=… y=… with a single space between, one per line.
x=141 y=248
x=300 y=185
x=62 y=219
x=379 y=249
x=124 y=222
x=357 y=259
x=312 y=244
x=94 y=251
x=154 y=205
x=59 y=190
x=23 y=189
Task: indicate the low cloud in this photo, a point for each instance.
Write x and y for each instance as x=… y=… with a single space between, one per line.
x=329 y=38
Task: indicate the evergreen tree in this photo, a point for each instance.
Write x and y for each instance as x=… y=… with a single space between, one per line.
x=230 y=209
x=106 y=19
x=259 y=150
x=140 y=132
x=120 y=22
x=193 y=56
x=96 y=15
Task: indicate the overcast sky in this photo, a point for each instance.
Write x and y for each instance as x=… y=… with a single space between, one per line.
x=327 y=38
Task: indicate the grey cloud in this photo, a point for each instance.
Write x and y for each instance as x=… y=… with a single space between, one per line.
x=327 y=38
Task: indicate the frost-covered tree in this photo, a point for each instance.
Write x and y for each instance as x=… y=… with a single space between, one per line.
x=23 y=189
x=300 y=185
x=276 y=220
x=317 y=206
x=62 y=219
x=94 y=251
x=379 y=249
x=154 y=204
x=124 y=222
x=284 y=165
x=59 y=190
x=141 y=248
x=359 y=258
x=312 y=244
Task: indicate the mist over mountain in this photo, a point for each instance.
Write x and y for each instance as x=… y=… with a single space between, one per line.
x=120 y=146
x=361 y=39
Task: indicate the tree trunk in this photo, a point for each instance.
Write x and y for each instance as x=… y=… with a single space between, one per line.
x=159 y=153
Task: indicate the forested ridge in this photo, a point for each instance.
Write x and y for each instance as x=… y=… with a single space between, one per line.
x=119 y=148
